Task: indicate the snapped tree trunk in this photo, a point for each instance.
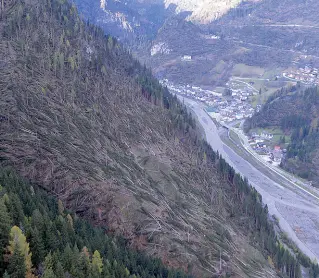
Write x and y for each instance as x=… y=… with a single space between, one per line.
x=1 y=8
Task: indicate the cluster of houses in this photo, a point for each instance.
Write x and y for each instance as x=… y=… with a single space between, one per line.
x=235 y=109
x=261 y=143
x=231 y=107
x=307 y=75
x=238 y=107
x=225 y=108
x=193 y=92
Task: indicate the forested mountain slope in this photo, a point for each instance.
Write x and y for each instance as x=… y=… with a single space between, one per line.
x=84 y=120
x=295 y=111
x=134 y=22
x=144 y=18
x=274 y=12
x=268 y=34
x=59 y=244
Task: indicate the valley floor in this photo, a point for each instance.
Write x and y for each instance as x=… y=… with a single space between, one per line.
x=297 y=209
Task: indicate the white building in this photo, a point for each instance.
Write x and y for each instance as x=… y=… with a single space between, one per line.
x=186 y=58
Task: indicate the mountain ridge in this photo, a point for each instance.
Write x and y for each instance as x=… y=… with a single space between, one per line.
x=247 y=33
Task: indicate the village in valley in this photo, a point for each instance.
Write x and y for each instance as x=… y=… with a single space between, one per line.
x=228 y=105
x=307 y=75
x=231 y=106
x=267 y=146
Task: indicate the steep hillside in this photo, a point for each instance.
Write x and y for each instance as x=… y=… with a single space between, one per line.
x=85 y=121
x=266 y=34
x=59 y=244
x=204 y=11
x=134 y=22
x=284 y=12
x=295 y=112
x=142 y=18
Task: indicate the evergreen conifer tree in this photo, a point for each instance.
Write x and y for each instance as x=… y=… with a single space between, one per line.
x=19 y=248
x=5 y=225
x=16 y=266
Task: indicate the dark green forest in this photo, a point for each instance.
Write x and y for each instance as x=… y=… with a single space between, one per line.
x=39 y=237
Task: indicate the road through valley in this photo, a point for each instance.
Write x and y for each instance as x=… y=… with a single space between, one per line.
x=297 y=211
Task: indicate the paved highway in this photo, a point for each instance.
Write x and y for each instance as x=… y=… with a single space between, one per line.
x=297 y=211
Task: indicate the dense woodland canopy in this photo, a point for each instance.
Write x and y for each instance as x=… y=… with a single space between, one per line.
x=83 y=120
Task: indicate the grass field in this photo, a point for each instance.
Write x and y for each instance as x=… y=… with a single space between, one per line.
x=261 y=79
x=278 y=134
x=242 y=70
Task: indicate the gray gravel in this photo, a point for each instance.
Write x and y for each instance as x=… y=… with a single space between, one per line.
x=297 y=211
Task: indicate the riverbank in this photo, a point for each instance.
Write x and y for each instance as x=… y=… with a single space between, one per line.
x=297 y=211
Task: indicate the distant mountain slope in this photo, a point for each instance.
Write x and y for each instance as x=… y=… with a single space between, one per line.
x=134 y=22
x=84 y=120
x=284 y=12
x=204 y=11
x=143 y=19
x=267 y=34
x=296 y=112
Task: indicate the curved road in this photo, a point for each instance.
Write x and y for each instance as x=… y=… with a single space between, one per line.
x=297 y=211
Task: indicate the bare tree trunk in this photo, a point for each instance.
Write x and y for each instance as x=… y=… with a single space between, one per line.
x=220 y=261
x=1 y=8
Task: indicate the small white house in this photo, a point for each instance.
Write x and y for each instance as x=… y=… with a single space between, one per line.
x=214 y=37
x=187 y=58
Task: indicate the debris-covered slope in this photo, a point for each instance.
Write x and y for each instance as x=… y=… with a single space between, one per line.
x=59 y=244
x=83 y=119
